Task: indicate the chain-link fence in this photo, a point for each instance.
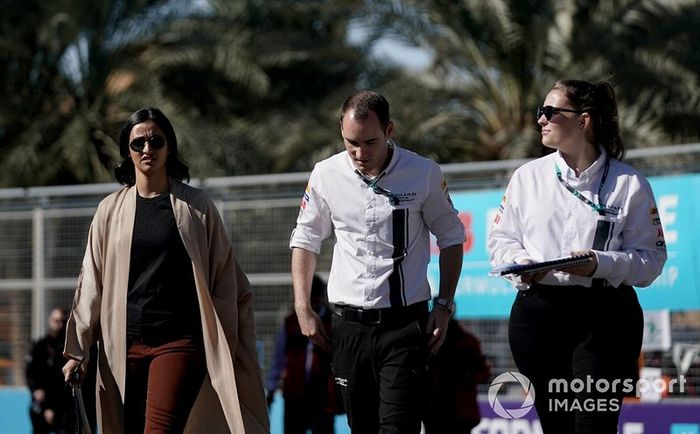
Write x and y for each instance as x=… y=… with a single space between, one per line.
x=43 y=232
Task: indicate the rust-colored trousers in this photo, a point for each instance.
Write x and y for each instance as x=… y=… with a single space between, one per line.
x=162 y=383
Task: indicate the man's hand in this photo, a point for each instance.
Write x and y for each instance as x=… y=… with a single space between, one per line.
x=437 y=327
x=39 y=395
x=312 y=327
x=49 y=416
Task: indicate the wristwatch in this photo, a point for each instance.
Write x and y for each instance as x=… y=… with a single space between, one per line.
x=447 y=304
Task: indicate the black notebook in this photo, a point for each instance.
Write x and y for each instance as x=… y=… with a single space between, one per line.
x=539 y=267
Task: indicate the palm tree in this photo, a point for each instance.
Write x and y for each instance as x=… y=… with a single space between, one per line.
x=252 y=87
x=259 y=82
x=494 y=61
x=70 y=66
x=648 y=47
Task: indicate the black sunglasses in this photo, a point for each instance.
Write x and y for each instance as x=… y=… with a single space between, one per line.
x=139 y=143
x=549 y=111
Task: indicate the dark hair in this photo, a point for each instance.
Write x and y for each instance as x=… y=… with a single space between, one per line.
x=175 y=165
x=366 y=101
x=598 y=100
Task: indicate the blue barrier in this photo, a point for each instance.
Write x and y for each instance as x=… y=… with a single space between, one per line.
x=14 y=413
x=14 y=410
x=674 y=417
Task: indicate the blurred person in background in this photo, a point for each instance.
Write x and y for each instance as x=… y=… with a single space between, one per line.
x=582 y=322
x=381 y=202
x=162 y=292
x=304 y=369
x=52 y=402
x=453 y=375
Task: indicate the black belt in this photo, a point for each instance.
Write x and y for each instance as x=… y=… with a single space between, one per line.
x=385 y=315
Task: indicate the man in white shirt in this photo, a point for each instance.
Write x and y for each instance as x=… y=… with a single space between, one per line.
x=381 y=202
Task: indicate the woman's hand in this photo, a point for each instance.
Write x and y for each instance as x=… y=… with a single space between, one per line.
x=530 y=278
x=586 y=269
x=70 y=368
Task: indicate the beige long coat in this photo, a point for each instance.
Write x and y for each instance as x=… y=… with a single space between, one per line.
x=232 y=398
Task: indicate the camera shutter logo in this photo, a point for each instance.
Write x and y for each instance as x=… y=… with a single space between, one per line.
x=528 y=402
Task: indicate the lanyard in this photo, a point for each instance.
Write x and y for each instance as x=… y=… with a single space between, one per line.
x=599 y=207
x=370 y=183
x=393 y=199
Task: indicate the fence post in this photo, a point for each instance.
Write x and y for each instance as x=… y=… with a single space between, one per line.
x=38 y=277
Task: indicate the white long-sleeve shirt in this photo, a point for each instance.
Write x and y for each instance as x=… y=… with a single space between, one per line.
x=540 y=219
x=382 y=251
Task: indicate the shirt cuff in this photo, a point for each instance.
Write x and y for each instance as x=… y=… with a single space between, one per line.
x=456 y=238
x=605 y=265
x=298 y=239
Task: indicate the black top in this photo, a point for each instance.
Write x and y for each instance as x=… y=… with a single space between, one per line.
x=162 y=303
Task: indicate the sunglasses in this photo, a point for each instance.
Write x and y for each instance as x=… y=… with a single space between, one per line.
x=549 y=111
x=139 y=143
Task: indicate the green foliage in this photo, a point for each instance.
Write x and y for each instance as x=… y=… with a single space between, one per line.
x=495 y=61
x=251 y=86
x=63 y=64
x=254 y=86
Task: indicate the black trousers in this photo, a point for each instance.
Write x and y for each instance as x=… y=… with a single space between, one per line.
x=380 y=371
x=584 y=339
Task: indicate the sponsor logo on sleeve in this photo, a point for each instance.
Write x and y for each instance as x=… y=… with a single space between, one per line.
x=501 y=208
x=446 y=190
x=656 y=221
x=305 y=200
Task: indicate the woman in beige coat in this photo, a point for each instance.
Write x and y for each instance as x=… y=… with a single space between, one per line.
x=161 y=293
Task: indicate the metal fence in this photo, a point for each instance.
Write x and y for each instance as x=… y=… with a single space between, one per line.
x=43 y=232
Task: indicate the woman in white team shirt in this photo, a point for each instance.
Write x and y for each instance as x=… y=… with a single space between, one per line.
x=577 y=330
